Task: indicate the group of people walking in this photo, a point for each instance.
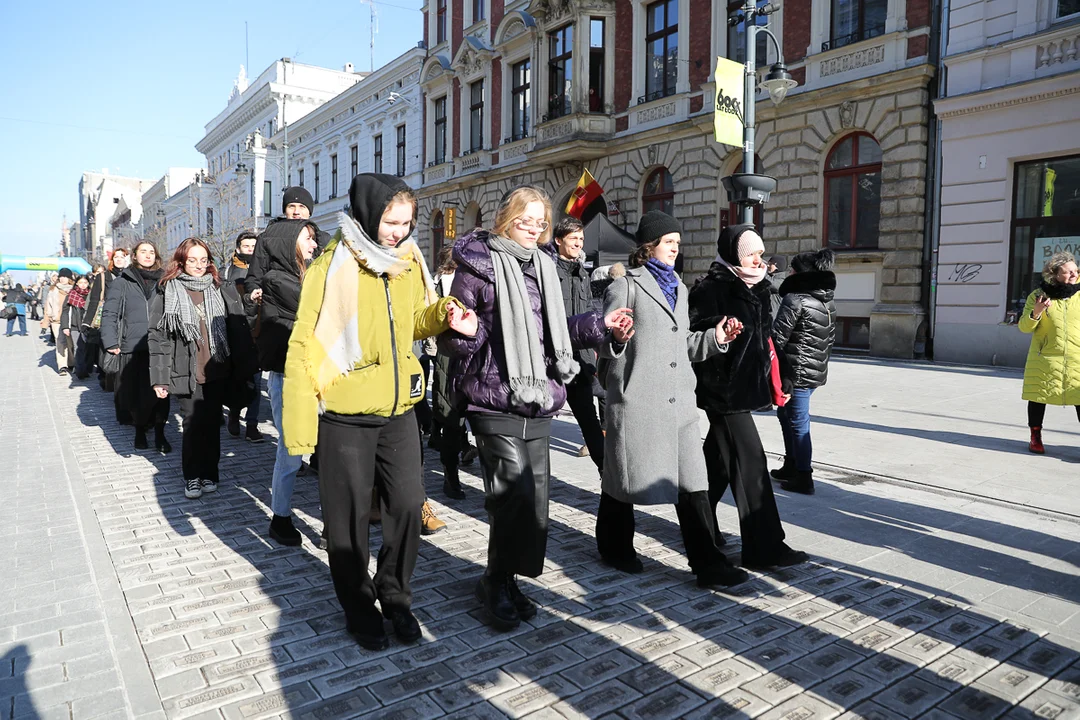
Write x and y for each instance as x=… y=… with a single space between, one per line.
x=518 y=333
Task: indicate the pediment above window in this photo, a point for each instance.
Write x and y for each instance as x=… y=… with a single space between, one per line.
x=515 y=25
x=472 y=58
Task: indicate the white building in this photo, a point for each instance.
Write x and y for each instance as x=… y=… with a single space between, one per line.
x=162 y=197
x=1010 y=169
x=245 y=174
x=99 y=196
x=374 y=126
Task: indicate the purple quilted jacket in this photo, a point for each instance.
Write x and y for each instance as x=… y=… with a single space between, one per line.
x=479 y=367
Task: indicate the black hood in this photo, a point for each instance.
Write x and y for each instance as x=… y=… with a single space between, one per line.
x=369 y=195
x=279 y=243
x=820 y=283
x=728 y=242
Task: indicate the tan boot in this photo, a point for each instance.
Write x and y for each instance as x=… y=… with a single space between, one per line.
x=429 y=524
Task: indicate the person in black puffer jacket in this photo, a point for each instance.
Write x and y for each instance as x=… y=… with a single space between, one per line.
x=732 y=385
x=804 y=331
x=236 y=272
x=273 y=281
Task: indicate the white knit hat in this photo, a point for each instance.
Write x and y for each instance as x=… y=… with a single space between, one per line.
x=748 y=244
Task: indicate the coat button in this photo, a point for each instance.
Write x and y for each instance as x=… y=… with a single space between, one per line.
x=674 y=329
x=672 y=401
x=674 y=364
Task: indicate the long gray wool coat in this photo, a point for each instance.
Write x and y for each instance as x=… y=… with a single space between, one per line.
x=653 y=449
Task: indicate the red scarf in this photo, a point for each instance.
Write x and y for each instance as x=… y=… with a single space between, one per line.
x=77 y=297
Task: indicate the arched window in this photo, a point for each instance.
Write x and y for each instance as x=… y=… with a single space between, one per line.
x=436 y=233
x=853 y=193
x=659 y=193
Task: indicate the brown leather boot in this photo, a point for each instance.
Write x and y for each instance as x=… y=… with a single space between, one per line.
x=429 y=523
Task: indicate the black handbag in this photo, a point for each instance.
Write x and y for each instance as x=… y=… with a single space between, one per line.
x=9 y=313
x=109 y=363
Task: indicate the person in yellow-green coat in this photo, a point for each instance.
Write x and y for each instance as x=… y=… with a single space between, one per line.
x=1052 y=317
x=351 y=381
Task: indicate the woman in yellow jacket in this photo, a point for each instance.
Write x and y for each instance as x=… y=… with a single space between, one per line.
x=1052 y=371
x=351 y=381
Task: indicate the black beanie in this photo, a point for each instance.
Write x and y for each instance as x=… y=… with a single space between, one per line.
x=66 y=273
x=654 y=225
x=297 y=194
x=369 y=196
x=727 y=245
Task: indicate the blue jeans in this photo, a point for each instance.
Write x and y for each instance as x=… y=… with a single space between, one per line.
x=285 y=465
x=795 y=422
x=22 y=324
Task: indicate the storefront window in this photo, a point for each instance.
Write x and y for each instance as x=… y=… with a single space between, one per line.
x=1046 y=219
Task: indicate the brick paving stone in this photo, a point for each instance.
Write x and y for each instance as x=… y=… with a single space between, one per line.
x=736 y=703
x=1045 y=657
x=887 y=666
x=1066 y=683
x=472 y=690
x=672 y=701
x=847 y=689
x=1045 y=704
x=976 y=703
x=597 y=701
x=527 y=698
x=1011 y=683
x=872 y=711
x=911 y=697
x=782 y=684
x=952 y=671
x=773 y=654
x=829 y=660
x=486 y=658
x=363 y=675
x=719 y=678
x=600 y=669
x=712 y=650
x=803 y=707
x=541 y=664
x=413 y=682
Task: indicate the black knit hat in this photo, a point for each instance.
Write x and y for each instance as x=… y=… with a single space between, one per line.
x=297 y=194
x=66 y=273
x=654 y=225
x=727 y=245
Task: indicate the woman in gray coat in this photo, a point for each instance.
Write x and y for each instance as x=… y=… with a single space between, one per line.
x=652 y=451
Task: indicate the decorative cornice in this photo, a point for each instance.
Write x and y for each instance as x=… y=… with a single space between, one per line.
x=1011 y=102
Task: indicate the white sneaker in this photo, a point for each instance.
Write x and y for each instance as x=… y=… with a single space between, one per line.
x=208 y=486
x=193 y=490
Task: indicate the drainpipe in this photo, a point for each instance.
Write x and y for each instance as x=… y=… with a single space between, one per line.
x=939 y=43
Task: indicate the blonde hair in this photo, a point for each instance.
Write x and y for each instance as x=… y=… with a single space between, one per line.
x=1055 y=263
x=513 y=205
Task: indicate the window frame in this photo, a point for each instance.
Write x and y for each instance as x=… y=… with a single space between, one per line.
x=441 y=33
x=479 y=11
x=476 y=115
x=300 y=177
x=333 y=176
x=268 y=194
x=597 y=101
x=401 y=139
x=663 y=34
x=439 y=123
x=855 y=169
x=520 y=91
x=665 y=198
x=438 y=230
x=315 y=193
x=861 y=32
x=377 y=154
x=560 y=63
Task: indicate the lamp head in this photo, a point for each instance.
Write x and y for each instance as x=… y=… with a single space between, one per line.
x=778 y=83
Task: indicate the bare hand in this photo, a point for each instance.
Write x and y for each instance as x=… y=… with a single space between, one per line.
x=67 y=332
x=727 y=330
x=114 y=351
x=622 y=335
x=1042 y=304
x=256 y=295
x=463 y=321
x=787 y=398
x=621 y=318
x=162 y=391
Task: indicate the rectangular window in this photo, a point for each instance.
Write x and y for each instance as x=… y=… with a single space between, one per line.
x=560 y=71
x=521 y=75
x=477 y=10
x=1067 y=8
x=440 y=131
x=209 y=221
x=476 y=116
x=354 y=162
x=661 y=49
x=301 y=171
x=376 y=163
x=737 y=34
x=855 y=20
x=400 y=150
x=267 y=194
x=333 y=176
x=316 y=166
x=596 y=65
x=853 y=333
x=1045 y=219
x=440 y=21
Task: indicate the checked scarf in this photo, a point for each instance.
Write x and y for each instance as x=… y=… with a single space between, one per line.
x=181 y=317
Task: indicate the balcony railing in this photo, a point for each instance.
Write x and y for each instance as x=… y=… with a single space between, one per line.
x=655 y=95
x=518 y=135
x=853 y=38
x=559 y=106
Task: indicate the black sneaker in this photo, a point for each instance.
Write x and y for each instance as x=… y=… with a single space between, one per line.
x=373 y=639
x=234 y=425
x=784 y=557
x=801 y=482
x=526 y=608
x=784 y=472
x=630 y=565
x=282 y=530
x=722 y=576
x=405 y=625
x=253 y=435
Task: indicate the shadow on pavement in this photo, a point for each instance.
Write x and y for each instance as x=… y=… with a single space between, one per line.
x=16 y=700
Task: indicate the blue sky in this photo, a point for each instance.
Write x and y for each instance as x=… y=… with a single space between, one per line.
x=130 y=87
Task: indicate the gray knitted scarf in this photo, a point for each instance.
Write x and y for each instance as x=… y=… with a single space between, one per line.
x=182 y=317
x=521 y=337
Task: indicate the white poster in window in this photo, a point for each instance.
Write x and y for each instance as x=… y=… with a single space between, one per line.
x=1045 y=247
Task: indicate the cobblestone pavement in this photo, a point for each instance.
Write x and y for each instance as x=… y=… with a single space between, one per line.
x=123 y=599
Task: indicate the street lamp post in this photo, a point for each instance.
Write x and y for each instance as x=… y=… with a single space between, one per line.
x=747 y=188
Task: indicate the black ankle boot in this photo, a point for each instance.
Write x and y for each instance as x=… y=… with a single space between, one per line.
x=493 y=594
x=784 y=472
x=800 y=482
x=452 y=484
x=160 y=443
x=282 y=530
x=525 y=607
x=140 y=439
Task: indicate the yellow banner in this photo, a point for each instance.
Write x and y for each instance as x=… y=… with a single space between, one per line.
x=728 y=114
x=450 y=226
x=1048 y=192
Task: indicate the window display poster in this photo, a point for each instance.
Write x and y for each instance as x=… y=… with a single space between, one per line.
x=1045 y=247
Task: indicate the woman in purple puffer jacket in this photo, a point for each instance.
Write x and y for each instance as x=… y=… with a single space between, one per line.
x=512 y=378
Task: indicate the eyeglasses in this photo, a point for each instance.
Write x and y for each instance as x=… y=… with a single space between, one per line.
x=197 y=262
x=523 y=224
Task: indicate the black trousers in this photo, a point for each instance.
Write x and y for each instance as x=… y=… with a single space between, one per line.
x=734 y=456
x=201 y=413
x=1037 y=411
x=515 y=464
x=453 y=437
x=133 y=396
x=354 y=459
x=579 y=396
x=615 y=530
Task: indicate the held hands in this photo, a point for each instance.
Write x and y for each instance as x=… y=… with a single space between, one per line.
x=621 y=324
x=727 y=330
x=462 y=320
x=256 y=295
x=67 y=332
x=114 y=351
x=1042 y=304
x=162 y=391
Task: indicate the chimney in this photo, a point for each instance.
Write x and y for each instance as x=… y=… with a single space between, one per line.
x=348 y=67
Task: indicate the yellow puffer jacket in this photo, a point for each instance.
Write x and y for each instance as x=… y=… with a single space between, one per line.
x=1052 y=370
x=388 y=380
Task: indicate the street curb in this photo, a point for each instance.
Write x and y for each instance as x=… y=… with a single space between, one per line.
x=140 y=690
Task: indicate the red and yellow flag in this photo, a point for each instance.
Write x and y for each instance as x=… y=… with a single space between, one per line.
x=586 y=191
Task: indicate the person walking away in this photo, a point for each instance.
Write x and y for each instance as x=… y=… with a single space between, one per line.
x=803 y=332
x=33 y=306
x=125 y=327
x=199 y=343
x=1052 y=318
x=732 y=385
x=653 y=439
x=351 y=381
x=288 y=246
x=236 y=272
x=71 y=322
x=513 y=377
x=16 y=299
x=54 y=308
x=577 y=299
